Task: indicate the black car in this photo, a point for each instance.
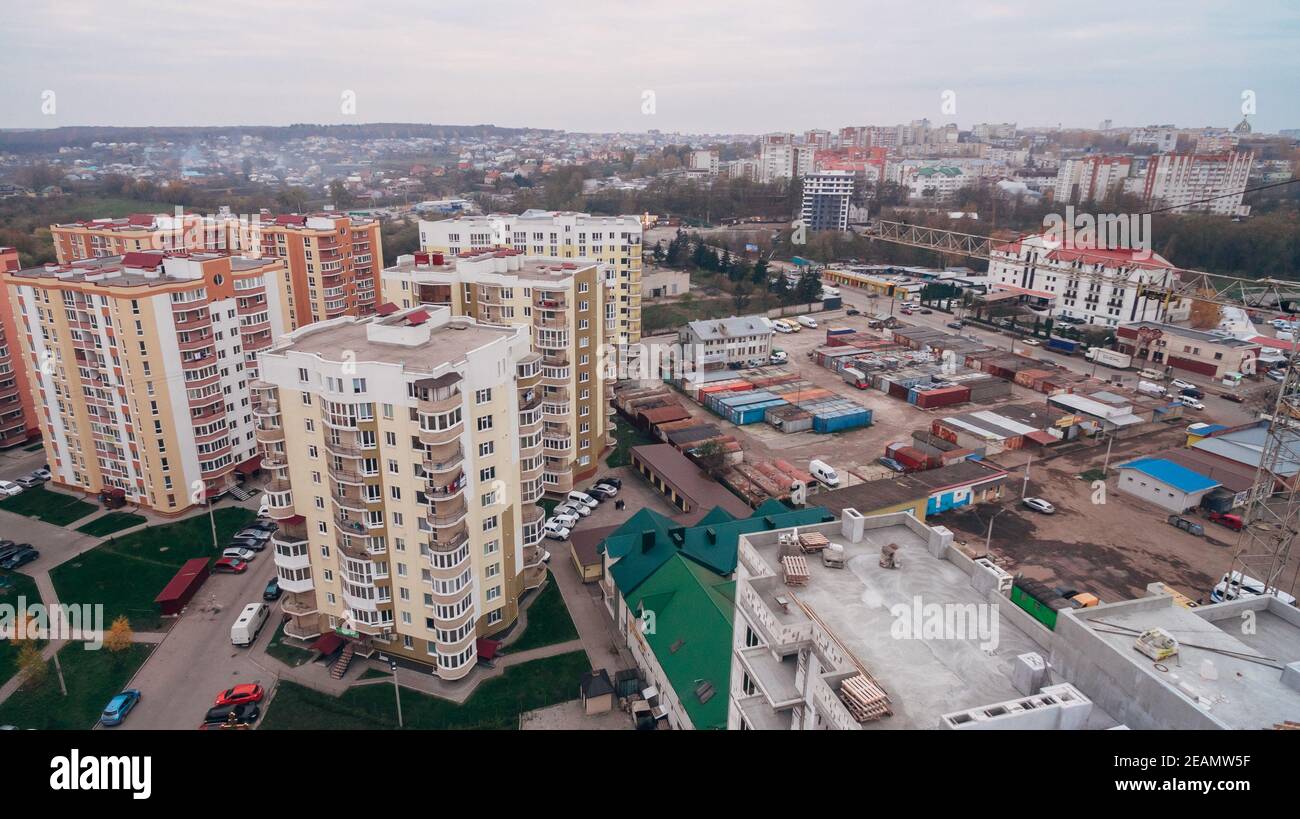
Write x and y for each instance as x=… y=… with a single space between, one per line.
x=246 y=543
x=614 y=482
x=852 y=312
x=273 y=590
x=243 y=713
x=264 y=525
x=18 y=559
x=8 y=548
x=1232 y=396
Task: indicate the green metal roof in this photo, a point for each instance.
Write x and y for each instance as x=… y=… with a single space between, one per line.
x=691 y=639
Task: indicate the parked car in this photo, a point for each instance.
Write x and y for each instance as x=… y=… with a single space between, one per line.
x=244 y=692
x=264 y=525
x=778 y=357
x=247 y=543
x=852 y=312
x=43 y=474
x=1276 y=375
x=565 y=521
x=926 y=312
x=229 y=565
x=1180 y=384
x=614 y=482
x=556 y=531
x=239 y=553
x=19 y=558
x=28 y=482
x=9 y=548
x=1192 y=392
x=1192 y=403
x=891 y=464
x=1030 y=342
x=1235 y=585
x=272 y=591
x=252 y=533
x=583 y=498
x=1232 y=396
x=240 y=714
x=907 y=311
x=956 y=325
x=1039 y=505
x=10 y=488
x=602 y=491
x=807 y=321
x=119 y=707
x=1233 y=522
x=781 y=328
x=579 y=509
x=264 y=509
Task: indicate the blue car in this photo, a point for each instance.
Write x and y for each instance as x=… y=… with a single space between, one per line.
x=119 y=707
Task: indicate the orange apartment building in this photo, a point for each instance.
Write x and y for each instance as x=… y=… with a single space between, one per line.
x=18 y=422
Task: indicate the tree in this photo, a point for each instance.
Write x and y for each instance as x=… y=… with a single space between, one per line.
x=741 y=295
x=658 y=252
x=712 y=457
x=32 y=664
x=1205 y=315
x=809 y=286
x=340 y=195
x=119 y=636
x=759 y=275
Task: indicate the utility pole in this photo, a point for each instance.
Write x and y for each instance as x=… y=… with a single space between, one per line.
x=1025 y=486
x=397 y=690
x=1110 y=439
x=988 y=539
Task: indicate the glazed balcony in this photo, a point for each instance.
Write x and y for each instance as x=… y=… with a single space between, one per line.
x=438 y=437
x=532 y=492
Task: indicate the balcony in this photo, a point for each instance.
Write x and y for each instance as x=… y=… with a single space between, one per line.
x=299 y=604
x=438 y=405
x=444 y=458
x=440 y=489
x=449 y=541
x=446 y=435
x=444 y=515
x=269 y=433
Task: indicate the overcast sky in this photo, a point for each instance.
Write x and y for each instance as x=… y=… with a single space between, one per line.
x=713 y=66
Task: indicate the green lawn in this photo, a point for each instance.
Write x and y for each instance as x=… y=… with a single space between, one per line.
x=93 y=677
x=548 y=620
x=12 y=586
x=626 y=436
x=287 y=653
x=47 y=505
x=33 y=447
x=112 y=522
x=126 y=573
x=495 y=705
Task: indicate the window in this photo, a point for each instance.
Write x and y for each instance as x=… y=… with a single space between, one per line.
x=483 y=396
x=484 y=422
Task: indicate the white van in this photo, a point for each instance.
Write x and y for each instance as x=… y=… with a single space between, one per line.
x=807 y=321
x=823 y=472
x=1244 y=587
x=250 y=622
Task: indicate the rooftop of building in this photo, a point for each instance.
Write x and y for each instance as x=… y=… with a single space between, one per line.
x=534 y=268
x=418 y=340
x=731 y=327
x=887 y=493
x=1187 y=332
x=863 y=604
x=138 y=269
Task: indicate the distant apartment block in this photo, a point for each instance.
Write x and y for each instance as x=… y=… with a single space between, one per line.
x=827 y=196
x=780 y=158
x=18 y=420
x=99 y=238
x=397 y=445
x=1091 y=178
x=569 y=311
x=1100 y=286
x=938 y=183
x=564 y=236
x=986 y=131
x=1164 y=138
x=706 y=161
x=140 y=368
x=1201 y=183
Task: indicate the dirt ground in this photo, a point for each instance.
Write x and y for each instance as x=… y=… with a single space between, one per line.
x=1113 y=548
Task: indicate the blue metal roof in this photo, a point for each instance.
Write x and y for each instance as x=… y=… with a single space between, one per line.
x=1176 y=475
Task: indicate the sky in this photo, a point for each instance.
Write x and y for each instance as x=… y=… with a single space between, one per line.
x=694 y=66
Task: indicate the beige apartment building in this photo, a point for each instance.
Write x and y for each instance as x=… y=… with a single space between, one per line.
x=405 y=453
x=331 y=260
x=139 y=369
x=566 y=236
x=568 y=308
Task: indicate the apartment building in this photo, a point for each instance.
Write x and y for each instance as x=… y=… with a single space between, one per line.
x=780 y=158
x=405 y=452
x=827 y=196
x=574 y=237
x=139 y=369
x=1099 y=286
x=18 y=421
x=704 y=161
x=1202 y=183
x=1091 y=178
x=569 y=312
x=331 y=260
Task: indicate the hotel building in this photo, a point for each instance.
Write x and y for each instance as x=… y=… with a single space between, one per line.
x=139 y=369
x=405 y=453
x=569 y=310
x=574 y=237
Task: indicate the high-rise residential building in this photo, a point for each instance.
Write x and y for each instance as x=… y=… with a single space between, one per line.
x=704 y=161
x=817 y=138
x=780 y=158
x=401 y=449
x=1091 y=178
x=17 y=413
x=985 y=131
x=570 y=313
x=827 y=196
x=1101 y=285
x=139 y=367
x=564 y=236
x=1203 y=183
x=332 y=260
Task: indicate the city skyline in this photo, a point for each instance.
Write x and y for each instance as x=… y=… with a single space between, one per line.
x=726 y=69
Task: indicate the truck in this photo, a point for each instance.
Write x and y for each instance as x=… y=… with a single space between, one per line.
x=1110 y=358
x=855 y=377
x=1061 y=345
x=1149 y=388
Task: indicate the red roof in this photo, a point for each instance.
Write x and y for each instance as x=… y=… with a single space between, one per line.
x=1275 y=343
x=147 y=261
x=250 y=466
x=417 y=317
x=386 y=309
x=328 y=643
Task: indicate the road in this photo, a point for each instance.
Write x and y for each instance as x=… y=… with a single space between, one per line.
x=196 y=660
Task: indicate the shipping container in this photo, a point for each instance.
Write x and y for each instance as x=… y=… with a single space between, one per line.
x=788 y=418
x=943 y=397
x=1062 y=345
x=841 y=420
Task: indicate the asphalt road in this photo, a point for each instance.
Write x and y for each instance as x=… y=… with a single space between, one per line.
x=196 y=660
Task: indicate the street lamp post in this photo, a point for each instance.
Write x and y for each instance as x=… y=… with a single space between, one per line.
x=397 y=689
x=988 y=539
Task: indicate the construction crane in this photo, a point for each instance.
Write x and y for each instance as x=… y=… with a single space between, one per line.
x=1263 y=549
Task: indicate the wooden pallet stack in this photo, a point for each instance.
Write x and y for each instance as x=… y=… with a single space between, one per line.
x=796 y=570
x=865 y=700
x=812 y=542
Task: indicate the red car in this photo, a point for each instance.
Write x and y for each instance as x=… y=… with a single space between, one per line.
x=1233 y=522
x=247 y=692
x=230 y=564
